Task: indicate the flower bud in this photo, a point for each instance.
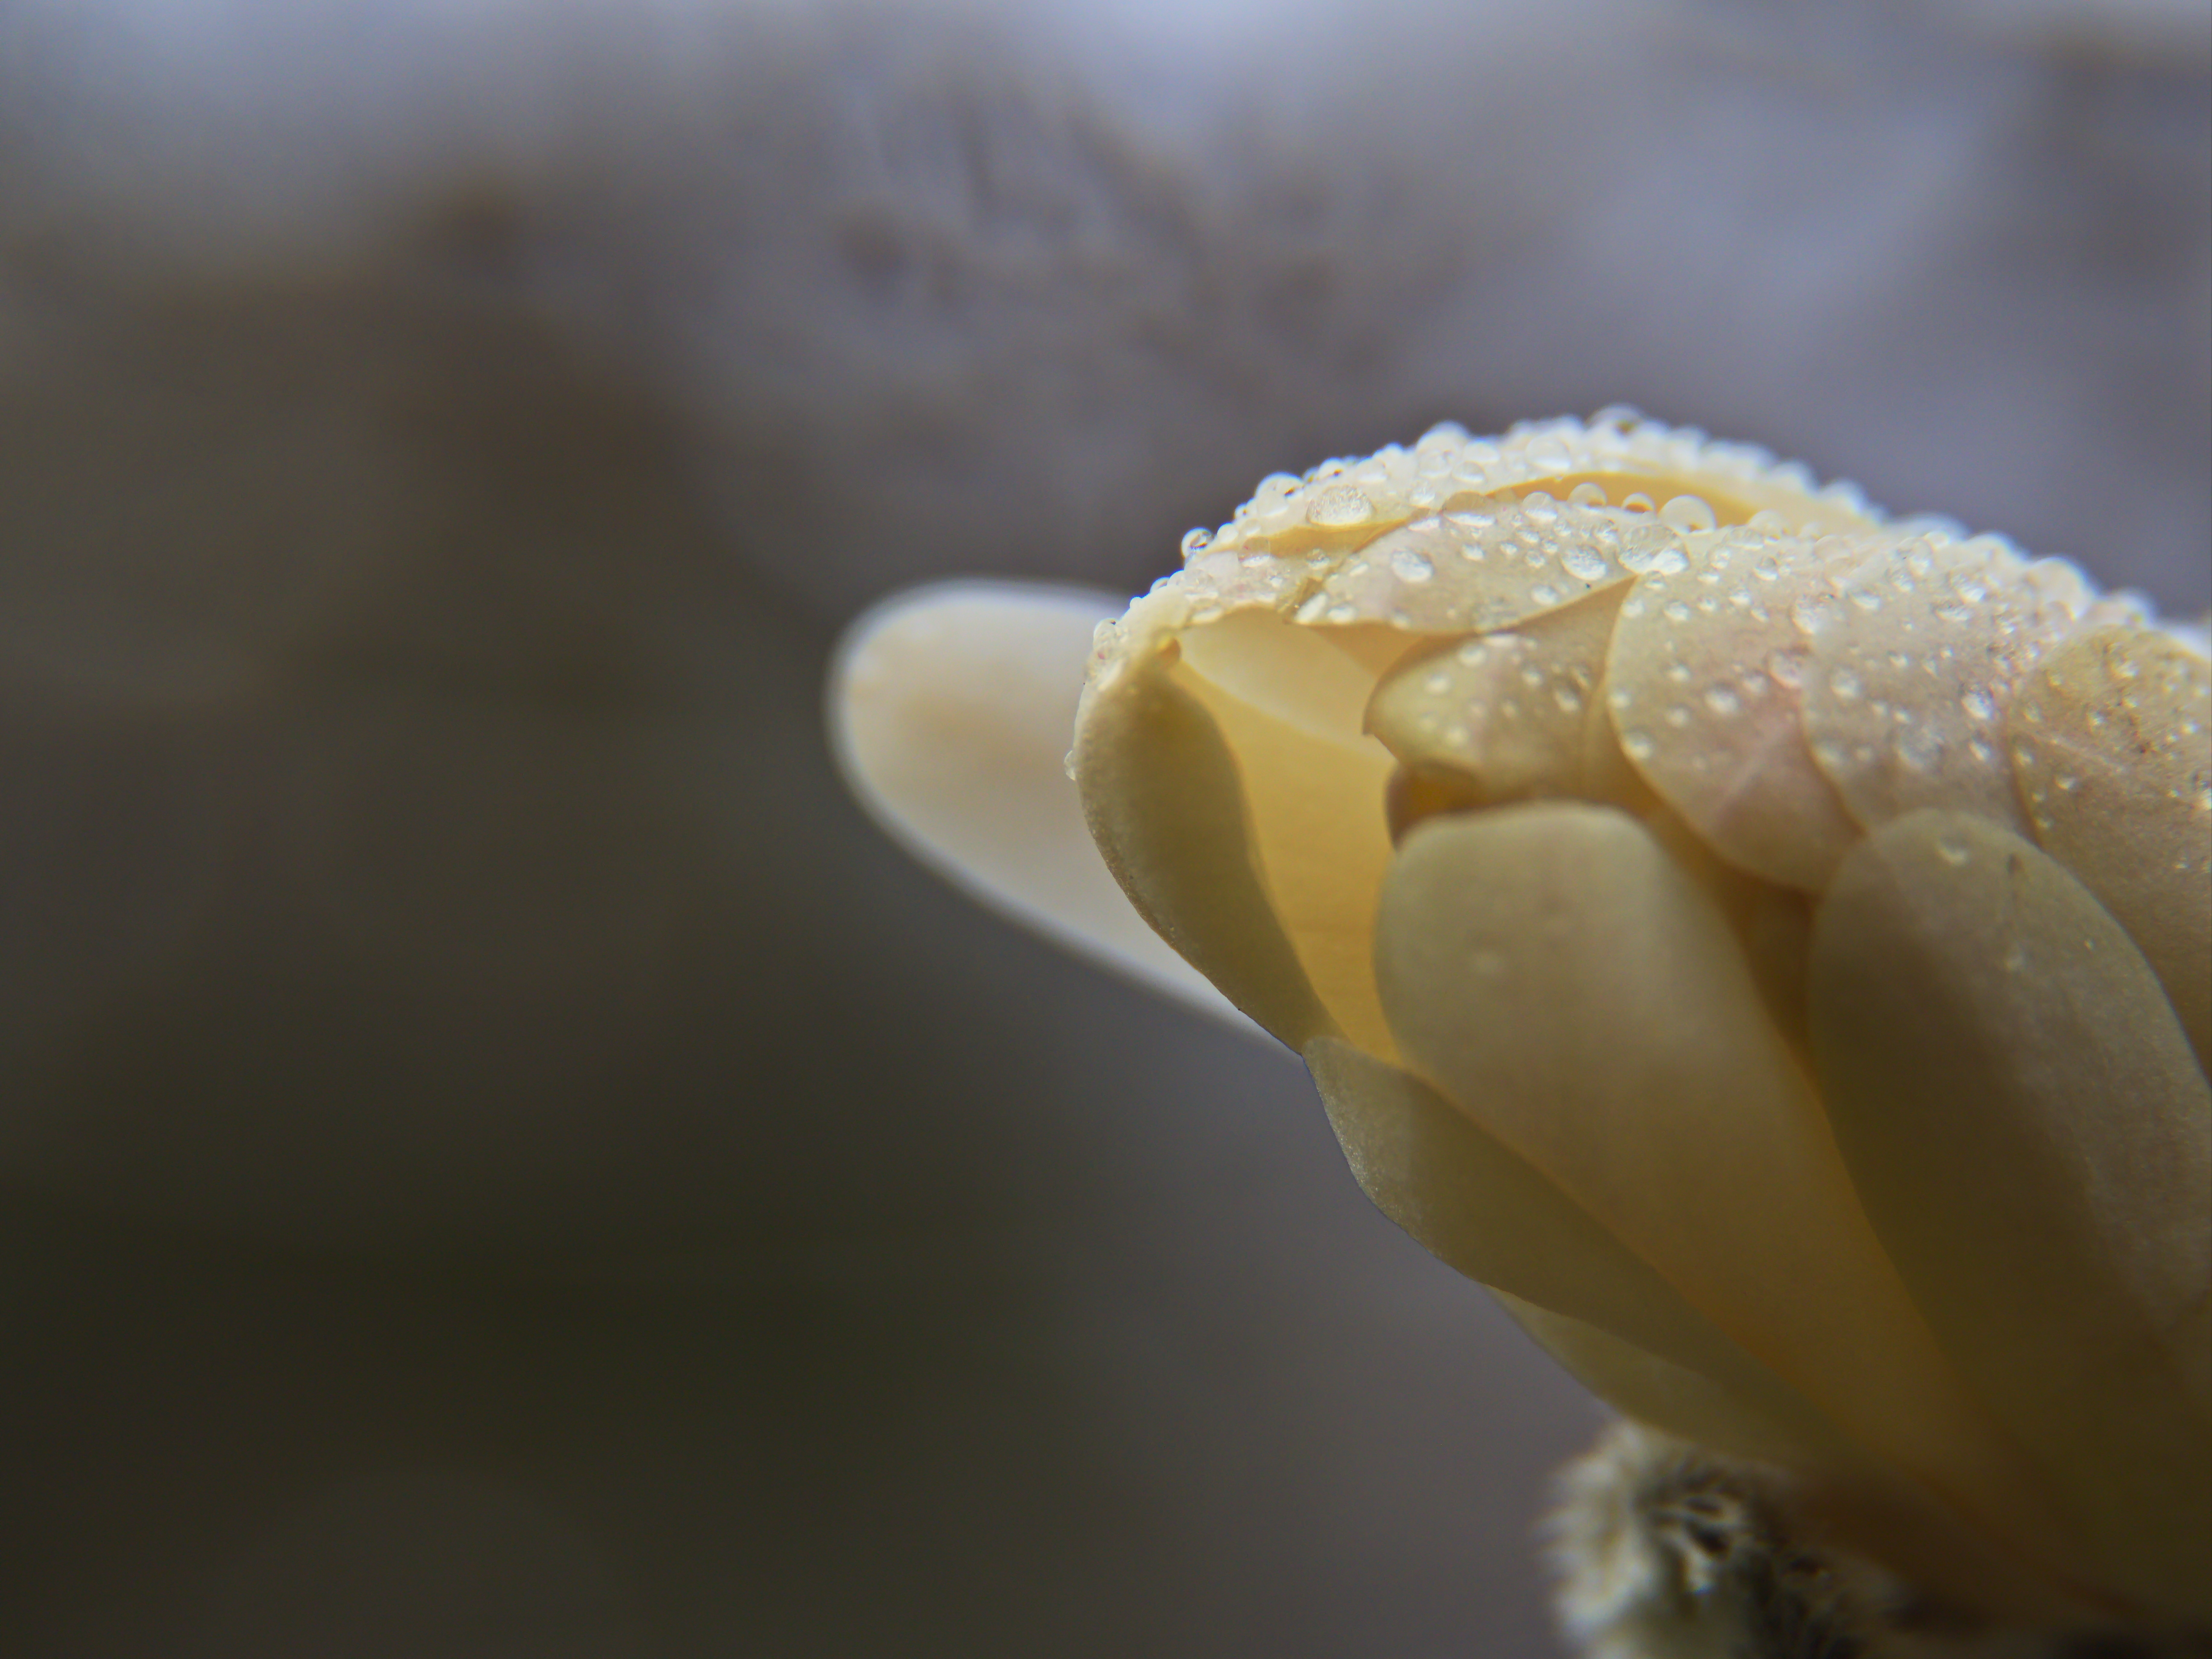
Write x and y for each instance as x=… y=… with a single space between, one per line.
x=1767 y=944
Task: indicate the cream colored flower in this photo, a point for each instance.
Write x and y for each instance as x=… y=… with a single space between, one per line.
x=1769 y=945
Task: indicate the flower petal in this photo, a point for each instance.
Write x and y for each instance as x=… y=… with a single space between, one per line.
x=1564 y=982
x=1508 y=713
x=1705 y=682
x=1165 y=801
x=950 y=711
x=1487 y=1212
x=1906 y=696
x=2032 y=1138
x=2111 y=743
x=1285 y=704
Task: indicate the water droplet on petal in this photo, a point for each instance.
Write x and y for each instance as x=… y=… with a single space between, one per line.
x=1339 y=505
x=1585 y=564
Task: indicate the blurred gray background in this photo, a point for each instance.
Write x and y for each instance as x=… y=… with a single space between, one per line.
x=496 y=1156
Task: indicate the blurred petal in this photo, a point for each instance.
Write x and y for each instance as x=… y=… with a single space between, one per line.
x=2034 y=1140
x=1567 y=986
x=951 y=709
x=2112 y=742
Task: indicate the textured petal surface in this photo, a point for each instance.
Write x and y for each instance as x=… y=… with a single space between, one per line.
x=1704 y=683
x=1509 y=713
x=2034 y=1140
x=1491 y=563
x=1562 y=980
x=951 y=712
x=2112 y=742
x=1907 y=695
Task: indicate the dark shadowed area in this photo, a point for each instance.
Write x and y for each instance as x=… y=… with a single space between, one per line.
x=497 y=1156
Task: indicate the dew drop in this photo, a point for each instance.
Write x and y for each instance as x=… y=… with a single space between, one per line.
x=1815 y=614
x=1952 y=851
x=1978 y=705
x=1538 y=507
x=1638 y=746
x=1312 y=610
x=1787 y=667
x=1588 y=493
x=1195 y=542
x=1846 y=685
x=1679 y=716
x=1637 y=501
x=1670 y=562
x=1918 y=748
x=1411 y=566
x=1584 y=564
x=1675 y=611
x=1544 y=593
x=1689 y=512
x=1722 y=699
x=1340 y=612
x=1338 y=505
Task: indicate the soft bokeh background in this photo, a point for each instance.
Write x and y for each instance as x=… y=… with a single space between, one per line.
x=496 y=1158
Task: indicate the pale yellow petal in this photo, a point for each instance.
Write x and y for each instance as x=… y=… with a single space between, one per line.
x=1508 y=711
x=1286 y=703
x=1486 y=1212
x=1907 y=695
x=2112 y=743
x=951 y=712
x=1492 y=562
x=1164 y=802
x=2034 y=1140
x=1562 y=980
x=1704 y=683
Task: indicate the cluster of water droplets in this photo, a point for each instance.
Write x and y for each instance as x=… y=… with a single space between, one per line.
x=1498 y=561
x=1339 y=499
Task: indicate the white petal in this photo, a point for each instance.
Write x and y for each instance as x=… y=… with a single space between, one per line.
x=952 y=711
